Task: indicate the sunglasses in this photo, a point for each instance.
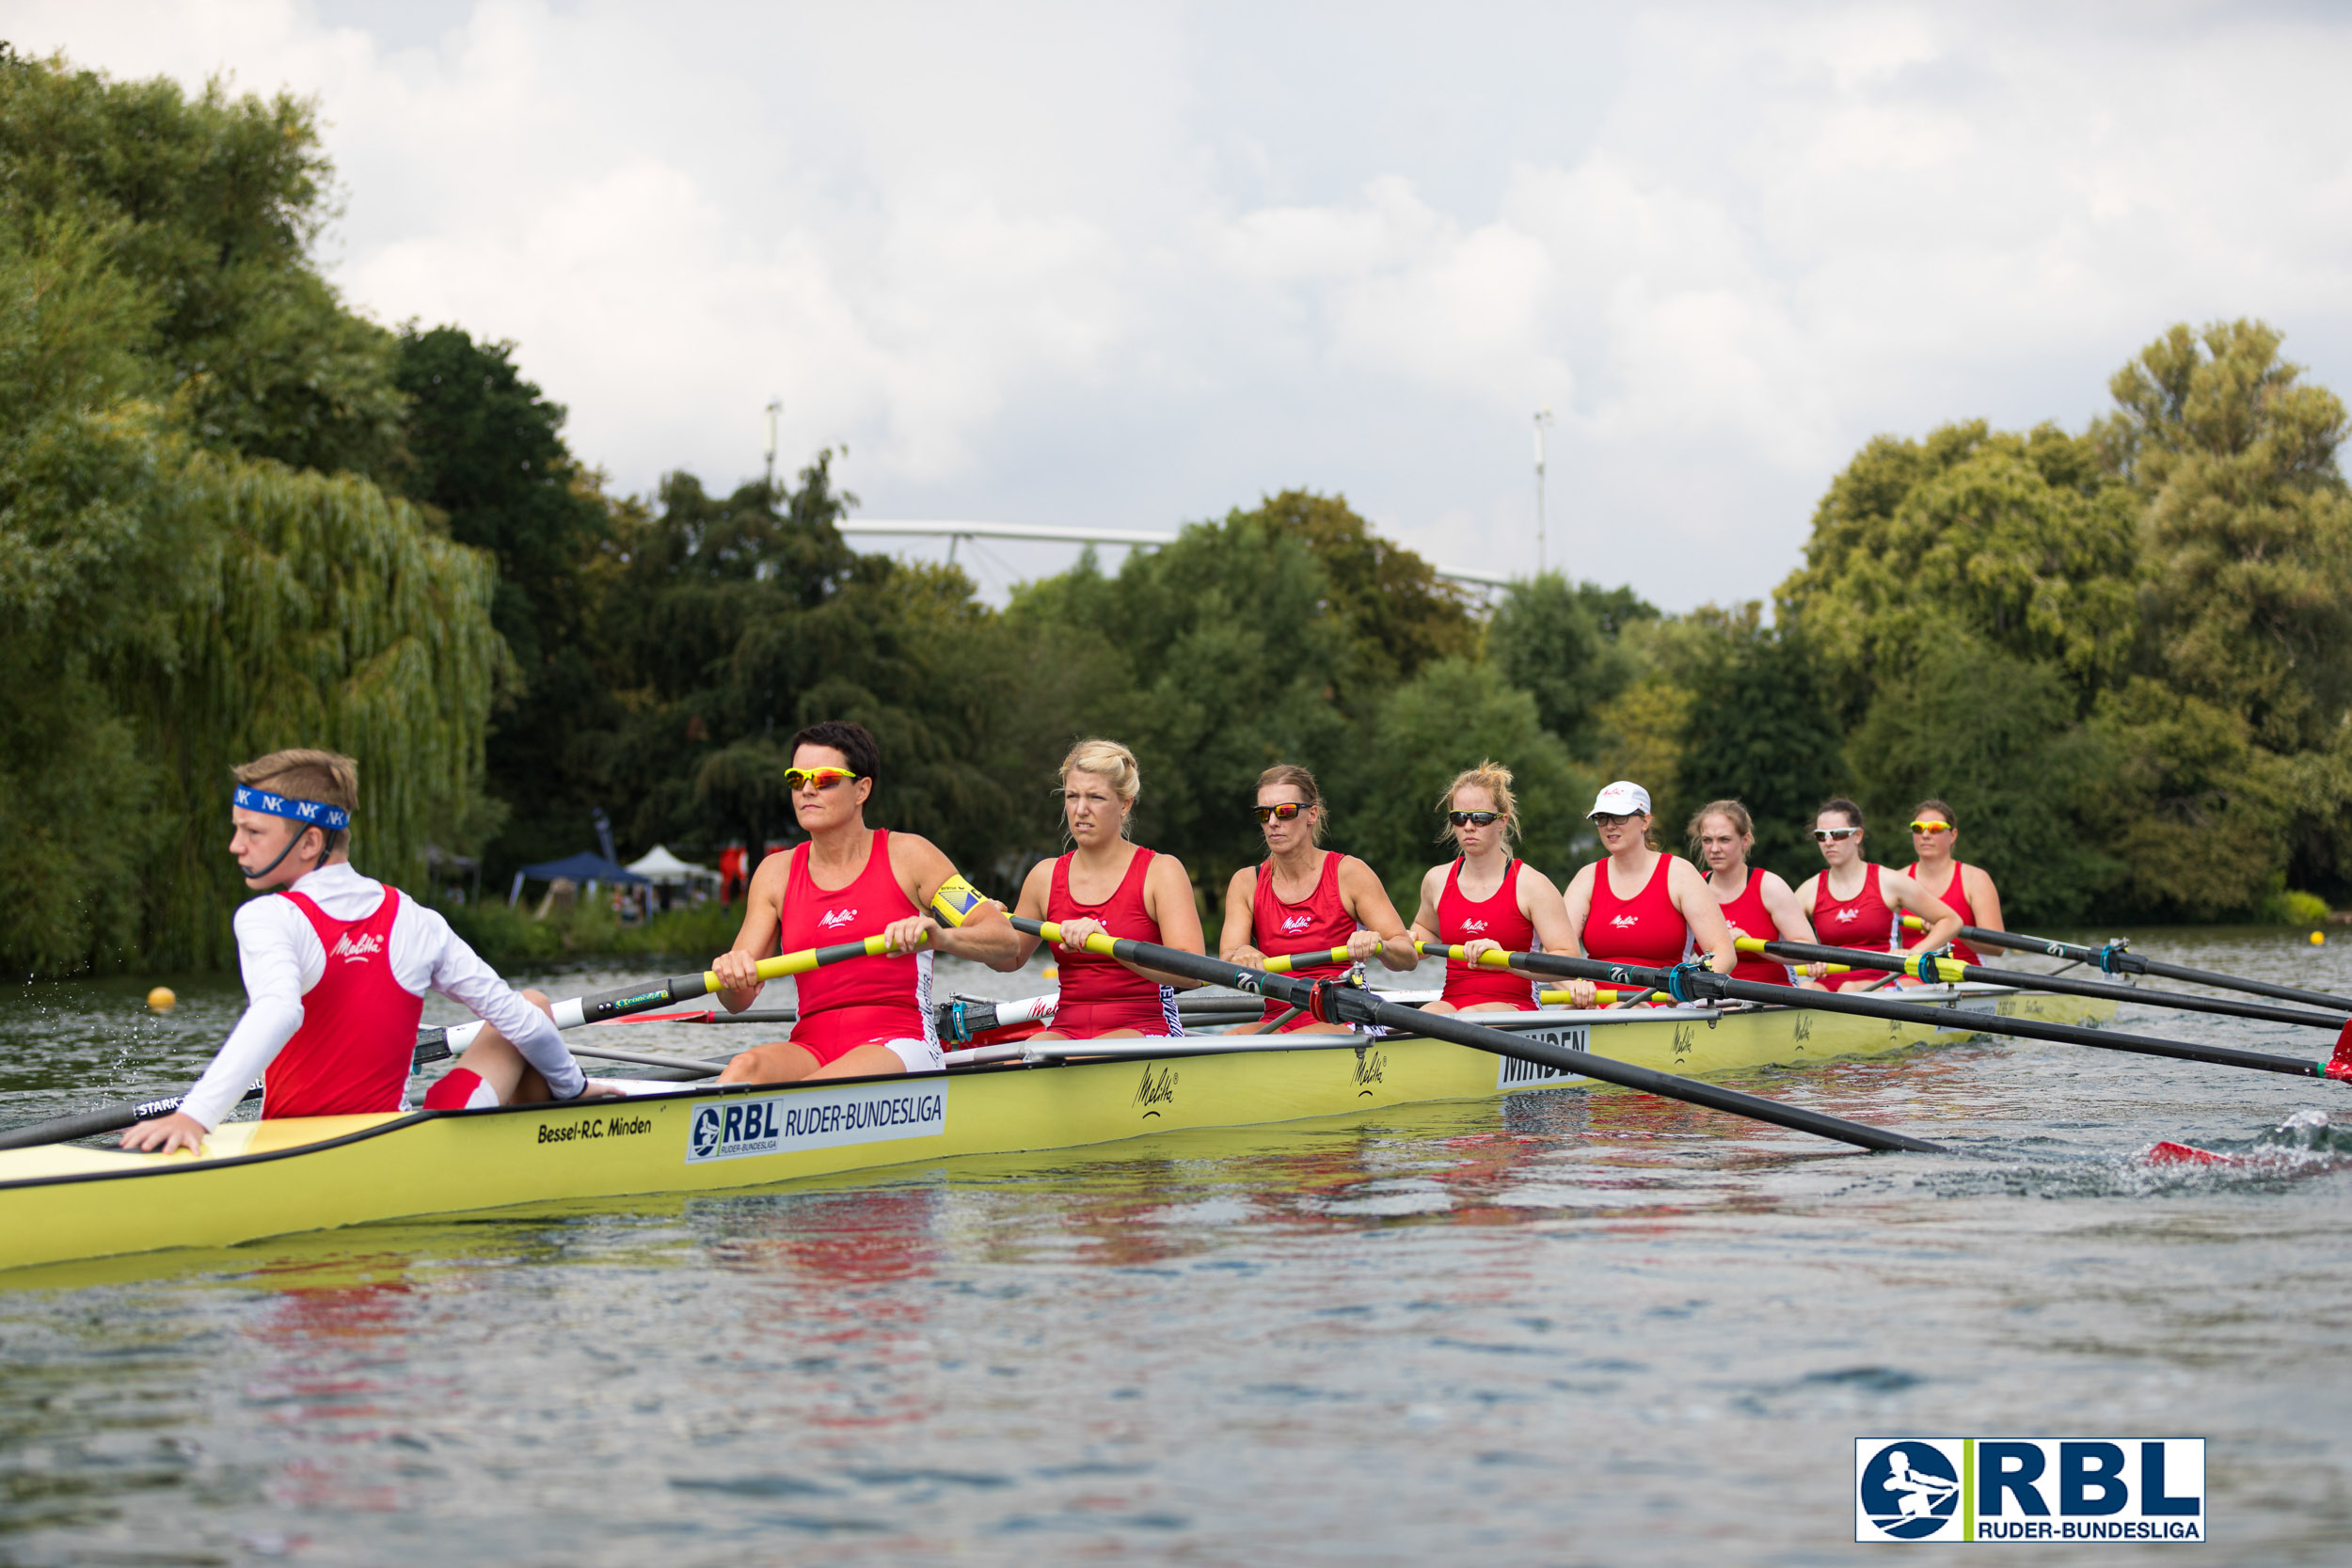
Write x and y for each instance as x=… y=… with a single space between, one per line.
x=814 y=778
x=1834 y=835
x=1473 y=818
x=1611 y=819
x=1282 y=813
x=1929 y=825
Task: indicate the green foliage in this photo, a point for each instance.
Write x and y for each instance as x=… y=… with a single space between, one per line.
x=1761 y=734
x=2194 y=810
x=1561 y=644
x=1997 y=736
x=1452 y=716
x=513 y=938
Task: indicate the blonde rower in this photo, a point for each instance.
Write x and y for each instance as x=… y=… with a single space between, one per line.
x=1110 y=883
x=1755 y=903
x=1305 y=898
x=1487 y=898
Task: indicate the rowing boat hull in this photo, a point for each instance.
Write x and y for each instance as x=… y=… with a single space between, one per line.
x=257 y=1179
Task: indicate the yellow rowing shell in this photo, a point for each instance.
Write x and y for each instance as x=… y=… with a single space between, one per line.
x=256 y=1179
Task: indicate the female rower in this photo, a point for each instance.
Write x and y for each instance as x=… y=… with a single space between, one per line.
x=1640 y=906
x=864 y=1016
x=1852 y=905
x=1967 y=890
x=1755 y=903
x=1487 y=898
x=1111 y=884
x=1306 y=899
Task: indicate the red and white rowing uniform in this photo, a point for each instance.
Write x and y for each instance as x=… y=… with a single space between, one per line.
x=335 y=975
x=1463 y=919
x=1317 y=924
x=1862 y=922
x=1100 y=993
x=884 y=1000
x=1955 y=899
x=1645 y=928
x=1748 y=912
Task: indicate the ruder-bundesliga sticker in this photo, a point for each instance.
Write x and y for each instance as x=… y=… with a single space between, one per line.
x=2042 y=1489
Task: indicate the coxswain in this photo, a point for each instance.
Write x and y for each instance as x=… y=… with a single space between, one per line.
x=336 y=966
x=1756 y=902
x=1487 y=898
x=864 y=1016
x=1306 y=899
x=1640 y=905
x=1111 y=884
x=1967 y=890
x=1855 y=905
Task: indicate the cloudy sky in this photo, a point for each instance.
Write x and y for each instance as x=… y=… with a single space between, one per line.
x=1128 y=265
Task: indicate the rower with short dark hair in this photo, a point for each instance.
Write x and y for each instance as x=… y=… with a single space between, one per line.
x=1306 y=899
x=336 y=967
x=864 y=1016
x=1853 y=904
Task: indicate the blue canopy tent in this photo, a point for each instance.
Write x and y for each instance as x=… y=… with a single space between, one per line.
x=585 y=868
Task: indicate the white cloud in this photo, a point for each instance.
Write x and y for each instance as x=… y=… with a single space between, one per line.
x=1130 y=265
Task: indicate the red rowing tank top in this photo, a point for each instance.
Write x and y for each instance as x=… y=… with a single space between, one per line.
x=1645 y=928
x=1103 y=993
x=1862 y=922
x=1319 y=922
x=358 y=1042
x=1462 y=918
x=857 y=1001
x=1956 y=899
x=1748 y=912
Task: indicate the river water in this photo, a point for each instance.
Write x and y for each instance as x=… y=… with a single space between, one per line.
x=1573 y=1329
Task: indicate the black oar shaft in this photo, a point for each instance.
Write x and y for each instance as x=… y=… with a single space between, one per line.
x=2119 y=961
x=1355 y=1004
x=115 y=1118
x=1941 y=1018
x=2066 y=985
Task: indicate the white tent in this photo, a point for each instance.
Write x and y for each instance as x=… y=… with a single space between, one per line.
x=659 y=866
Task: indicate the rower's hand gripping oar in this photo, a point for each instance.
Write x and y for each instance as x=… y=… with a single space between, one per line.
x=1330 y=1003
x=954 y=901
x=1934 y=967
x=1497 y=958
x=1688 y=982
x=2115 y=958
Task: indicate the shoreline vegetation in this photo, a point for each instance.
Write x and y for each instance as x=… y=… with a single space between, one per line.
x=236 y=514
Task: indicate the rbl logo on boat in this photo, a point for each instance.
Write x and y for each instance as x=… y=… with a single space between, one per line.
x=2045 y=1489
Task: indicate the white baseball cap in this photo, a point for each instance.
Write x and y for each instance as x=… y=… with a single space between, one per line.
x=1622 y=799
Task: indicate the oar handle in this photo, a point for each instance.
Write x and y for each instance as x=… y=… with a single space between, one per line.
x=573 y=1012
x=1757 y=944
x=1357 y=1005
x=1456 y=952
x=1285 y=962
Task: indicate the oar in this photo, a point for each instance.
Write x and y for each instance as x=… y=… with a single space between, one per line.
x=1497 y=958
x=1330 y=1001
x=1689 y=982
x=1953 y=970
x=1285 y=962
x=2115 y=958
x=573 y=1012
x=114 y=1119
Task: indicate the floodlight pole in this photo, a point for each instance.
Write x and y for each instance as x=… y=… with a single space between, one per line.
x=1543 y=417
x=776 y=408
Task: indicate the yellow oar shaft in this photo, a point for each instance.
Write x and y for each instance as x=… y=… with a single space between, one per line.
x=1285 y=962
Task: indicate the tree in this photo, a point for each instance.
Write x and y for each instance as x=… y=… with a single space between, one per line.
x=1560 y=643
x=2248 y=529
x=1763 y=736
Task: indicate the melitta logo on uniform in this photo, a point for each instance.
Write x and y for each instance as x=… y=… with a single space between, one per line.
x=1295 y=923
x=1621 y=922
x=817 y=1118
x=2042 y=1489
x=356 y=950
x=1469 y=926
x=832 y=920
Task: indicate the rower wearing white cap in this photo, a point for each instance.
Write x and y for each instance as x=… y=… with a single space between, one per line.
x=1640 y=906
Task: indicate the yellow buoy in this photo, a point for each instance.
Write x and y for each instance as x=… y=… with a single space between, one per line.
x=2318 y=937
x=162 y=1000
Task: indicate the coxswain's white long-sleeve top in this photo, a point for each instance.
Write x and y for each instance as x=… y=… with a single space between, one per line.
x=281 y=960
